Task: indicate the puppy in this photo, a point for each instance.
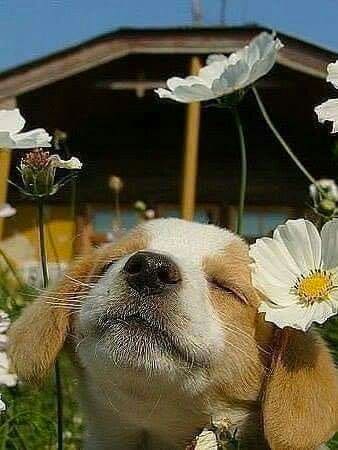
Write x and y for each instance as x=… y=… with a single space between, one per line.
x=165 y=334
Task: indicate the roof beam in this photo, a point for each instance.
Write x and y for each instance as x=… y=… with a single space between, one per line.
x=296 y=55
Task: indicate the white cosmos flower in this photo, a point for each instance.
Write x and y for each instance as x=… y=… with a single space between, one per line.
x=11 y=123
x=297 y=271
x=6 y=210
x=224 y=75
x=328 y=111
x=328 y=186
x=70 y=164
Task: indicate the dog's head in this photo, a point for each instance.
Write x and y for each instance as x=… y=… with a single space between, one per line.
x=174 y=299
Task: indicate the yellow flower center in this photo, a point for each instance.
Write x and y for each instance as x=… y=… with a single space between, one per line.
x=314 y=287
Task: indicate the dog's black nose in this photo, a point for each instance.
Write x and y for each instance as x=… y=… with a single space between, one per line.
x=150 y=273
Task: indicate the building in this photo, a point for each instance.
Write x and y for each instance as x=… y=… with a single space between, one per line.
x=101 y=94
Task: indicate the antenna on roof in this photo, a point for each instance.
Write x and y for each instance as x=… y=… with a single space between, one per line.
x=196 y=11
x=222 y=11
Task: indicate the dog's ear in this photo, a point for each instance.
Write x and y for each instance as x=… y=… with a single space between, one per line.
x=36 y=338
x=300 y=406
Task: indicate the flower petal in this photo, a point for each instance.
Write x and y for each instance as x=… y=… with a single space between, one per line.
x=3 y=406
x=8 y=379
x=165 y=93
x=6 y=210
x=236 y=76
x=275 y=259
x=6 y=140
x=195 y=93
x=206 y=440
x=11 y=121
x=328 y=111
x=332 y=74
x=31 y=139
x=4 y=321
x=302 y=240
x=295 y=316
x=329 y=236
x=70 y=164
x=279 y=296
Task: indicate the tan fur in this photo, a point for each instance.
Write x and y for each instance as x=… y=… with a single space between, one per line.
x=301 y=403
x=36 y=338
x=300 y=406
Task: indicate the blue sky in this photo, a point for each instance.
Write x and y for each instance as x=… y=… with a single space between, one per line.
x=34 y=28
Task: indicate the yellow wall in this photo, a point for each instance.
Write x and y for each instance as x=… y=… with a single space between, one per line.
x=58 y=230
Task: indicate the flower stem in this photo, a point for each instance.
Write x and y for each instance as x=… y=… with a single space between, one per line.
x=242 y=191
x=282 y=141
x=42 y=243
x=118 y=210
x=73 y=198
x=44 y=267
x=11 y=268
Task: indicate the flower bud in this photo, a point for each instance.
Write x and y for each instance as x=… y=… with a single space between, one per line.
x=37 y=173
x=38 y=168
x=149 y=214
x=140 y=206
x=115 y=183
x=327 y=207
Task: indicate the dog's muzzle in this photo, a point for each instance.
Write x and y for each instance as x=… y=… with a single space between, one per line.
x=151 y=273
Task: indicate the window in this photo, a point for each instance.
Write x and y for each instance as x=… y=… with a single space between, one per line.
x=261 y=221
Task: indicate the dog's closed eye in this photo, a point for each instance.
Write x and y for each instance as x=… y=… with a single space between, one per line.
x=227 y=289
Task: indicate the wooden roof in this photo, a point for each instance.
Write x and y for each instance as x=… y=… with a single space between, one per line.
x=297 y=54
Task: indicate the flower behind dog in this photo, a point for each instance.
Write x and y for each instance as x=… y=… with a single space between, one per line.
x=11 y=125
x=325 y=198
x=226 y=75
x=328 y=111
x=38 y=170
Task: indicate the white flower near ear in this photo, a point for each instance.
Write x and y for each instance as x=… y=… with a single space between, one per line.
x=6 y=211
x=70 y=164
x=297 y=272
x=11 y=125
x=3 y=406
x=224 y=75
x=328 y=186
x=328 y=111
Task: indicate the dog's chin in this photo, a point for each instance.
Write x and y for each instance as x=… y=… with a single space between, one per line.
x=136 y=338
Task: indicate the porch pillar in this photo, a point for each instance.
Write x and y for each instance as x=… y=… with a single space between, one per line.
x=5 y=161
x=190 y=164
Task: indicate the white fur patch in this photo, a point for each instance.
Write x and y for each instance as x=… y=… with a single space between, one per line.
x=187 y=240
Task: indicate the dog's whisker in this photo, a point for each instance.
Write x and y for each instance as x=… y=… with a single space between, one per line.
x=67 y=305
x=79 y=282
x=232 y=328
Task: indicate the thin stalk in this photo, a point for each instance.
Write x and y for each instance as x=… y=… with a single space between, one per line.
x=11 y=268
x=73 y=196
x=282 y=141
x=117 y=209
x=44 y=267
x=244 y=171
x=42 y=244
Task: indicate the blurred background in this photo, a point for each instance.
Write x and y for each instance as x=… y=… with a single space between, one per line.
x=90 y=68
